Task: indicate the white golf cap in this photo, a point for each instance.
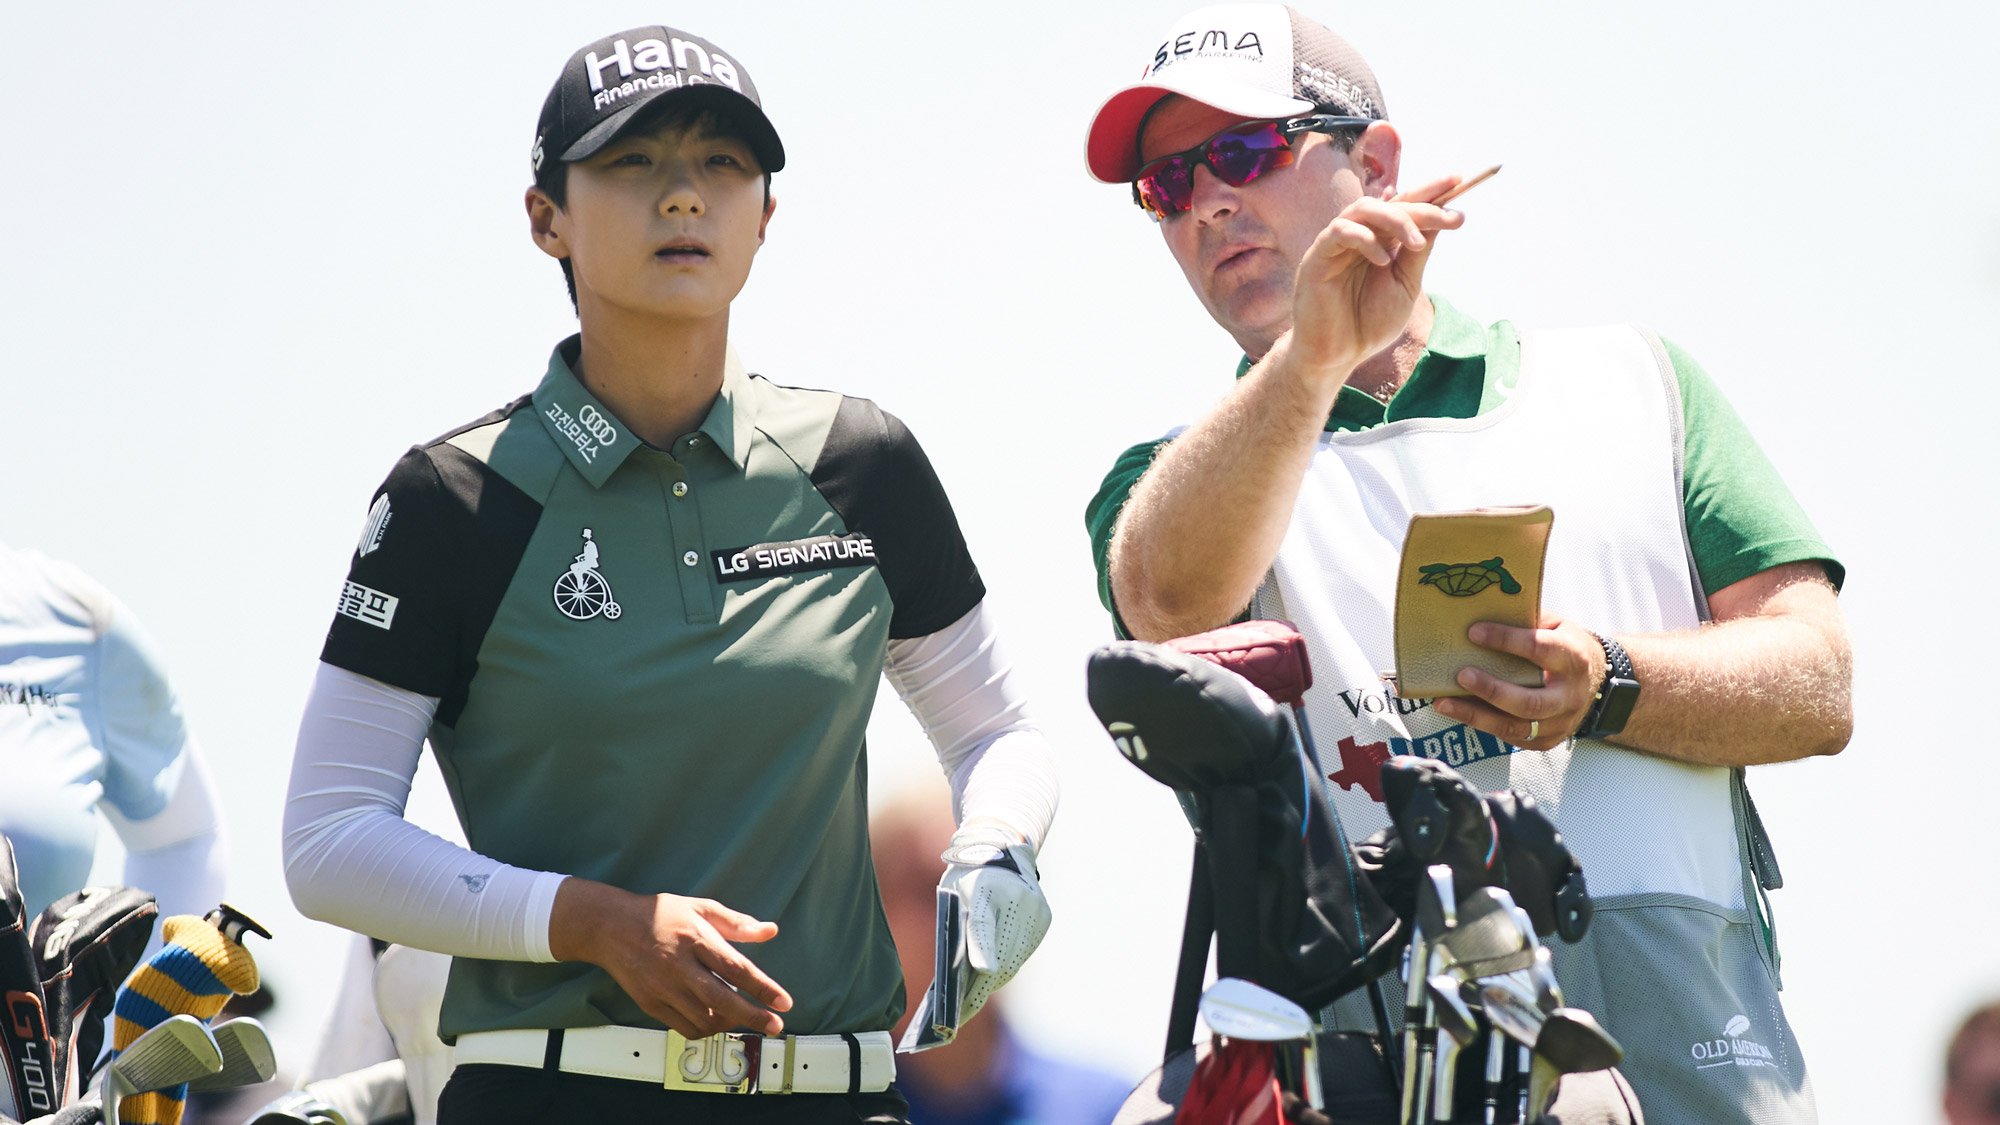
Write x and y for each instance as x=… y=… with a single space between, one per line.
x=1257 y=60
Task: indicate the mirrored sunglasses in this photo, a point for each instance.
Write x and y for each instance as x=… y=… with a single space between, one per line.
x=1237 y=155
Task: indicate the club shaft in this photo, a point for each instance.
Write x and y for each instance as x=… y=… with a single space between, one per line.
x=1378 y=1002
x=1427 y=1044
x=1306 y=738
x=1496 y=1050
x=1523 y=1066
x=1447 y=1080
x=1413 y=991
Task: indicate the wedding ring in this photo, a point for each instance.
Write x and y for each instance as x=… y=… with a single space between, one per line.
x=1534 y=729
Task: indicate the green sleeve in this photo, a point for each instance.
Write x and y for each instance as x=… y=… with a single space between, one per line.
x=1101 y=517
x=1741 y=519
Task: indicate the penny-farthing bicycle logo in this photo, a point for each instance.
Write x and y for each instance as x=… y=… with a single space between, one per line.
x=581 y=592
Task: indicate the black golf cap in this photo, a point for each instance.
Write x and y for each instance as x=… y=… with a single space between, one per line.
x=606 y=84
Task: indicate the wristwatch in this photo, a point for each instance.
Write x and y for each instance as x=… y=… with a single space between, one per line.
x=1616 y=696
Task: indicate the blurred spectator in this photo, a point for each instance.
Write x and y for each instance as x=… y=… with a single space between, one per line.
x=1972 y=1070
x=89 y=724
x=380 y=1059
x=987 y=1076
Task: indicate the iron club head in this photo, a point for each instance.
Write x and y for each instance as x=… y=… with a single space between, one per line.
x=1454 y=1015
x=1238 y=1009
x=1455 y=1019
x=247 y=1057
x=1510 y=1003
x=1573 y=1041
x=173 y=1051
x=1487 y=941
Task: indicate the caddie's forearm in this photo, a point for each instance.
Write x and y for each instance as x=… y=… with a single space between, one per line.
x=1204 y=523
x=1741 y=693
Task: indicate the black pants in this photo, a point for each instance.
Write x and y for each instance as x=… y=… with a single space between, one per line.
x=482 y=1094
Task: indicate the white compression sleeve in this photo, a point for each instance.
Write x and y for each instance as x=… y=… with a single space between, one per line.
x=959 y=685
x=179 y=853
x=352 y=860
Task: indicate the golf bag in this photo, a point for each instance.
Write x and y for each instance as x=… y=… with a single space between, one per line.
x=1289 y=905
x=1273 y=882
x=85 y=945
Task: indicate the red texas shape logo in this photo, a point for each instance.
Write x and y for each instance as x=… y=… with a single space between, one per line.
x=1361 y=765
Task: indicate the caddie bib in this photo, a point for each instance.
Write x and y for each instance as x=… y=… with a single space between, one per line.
x=1592 y=427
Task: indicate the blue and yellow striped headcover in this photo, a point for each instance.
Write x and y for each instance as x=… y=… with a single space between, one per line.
x=193 y=974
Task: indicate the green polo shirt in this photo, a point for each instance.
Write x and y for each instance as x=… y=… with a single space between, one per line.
x=655 y=666
x=1741 y=519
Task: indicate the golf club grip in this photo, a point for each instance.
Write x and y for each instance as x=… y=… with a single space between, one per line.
x=1270 y=654
x=1196 y=931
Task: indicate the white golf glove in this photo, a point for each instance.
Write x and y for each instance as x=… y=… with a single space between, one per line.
x=1006 y=916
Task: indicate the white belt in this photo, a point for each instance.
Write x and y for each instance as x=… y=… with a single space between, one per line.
x=730 y=1063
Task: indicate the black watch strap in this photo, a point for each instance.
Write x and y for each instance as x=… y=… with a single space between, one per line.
x=1616 y=695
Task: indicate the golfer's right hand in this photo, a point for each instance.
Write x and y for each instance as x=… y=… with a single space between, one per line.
x=672 y=955
x=1357 y=283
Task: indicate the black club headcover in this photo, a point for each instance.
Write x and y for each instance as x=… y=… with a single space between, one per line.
x=1491 y=840
x=85 y=945
x=1290 y=912
x=1544 y=877
x=28 y=1088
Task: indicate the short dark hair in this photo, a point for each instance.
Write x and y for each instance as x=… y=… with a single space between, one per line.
x=552 y=178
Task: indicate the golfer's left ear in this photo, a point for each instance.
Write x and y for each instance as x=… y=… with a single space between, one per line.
x=1377 y=158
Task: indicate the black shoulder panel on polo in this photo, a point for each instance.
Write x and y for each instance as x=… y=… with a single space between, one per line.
x=418 y=602
x=487 y=419
x=875 y=475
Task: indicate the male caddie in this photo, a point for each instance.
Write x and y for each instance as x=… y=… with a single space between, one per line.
x=667 y=910
x=1690 y=623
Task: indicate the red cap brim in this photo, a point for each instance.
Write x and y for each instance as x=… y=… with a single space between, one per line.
x=1112 y=149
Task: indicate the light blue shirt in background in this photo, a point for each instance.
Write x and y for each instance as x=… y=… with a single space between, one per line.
x=86 y=715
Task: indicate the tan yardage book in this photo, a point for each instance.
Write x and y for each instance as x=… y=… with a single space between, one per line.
x=1458 y=568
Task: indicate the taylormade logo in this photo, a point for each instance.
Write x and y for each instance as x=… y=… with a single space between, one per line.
x=646 y=59
x=1129 y=743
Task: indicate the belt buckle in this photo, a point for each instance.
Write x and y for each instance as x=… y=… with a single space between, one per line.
x=719 y=1064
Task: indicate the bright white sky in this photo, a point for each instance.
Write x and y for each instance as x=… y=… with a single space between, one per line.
x=257 y=250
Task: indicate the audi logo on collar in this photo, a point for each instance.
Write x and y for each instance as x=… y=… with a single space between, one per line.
x=599 y=426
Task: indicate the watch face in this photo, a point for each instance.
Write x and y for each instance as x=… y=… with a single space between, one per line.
x=1620 y=696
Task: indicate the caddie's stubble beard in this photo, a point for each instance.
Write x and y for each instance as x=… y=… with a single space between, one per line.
x=1252 y=298
x=1285 y=210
